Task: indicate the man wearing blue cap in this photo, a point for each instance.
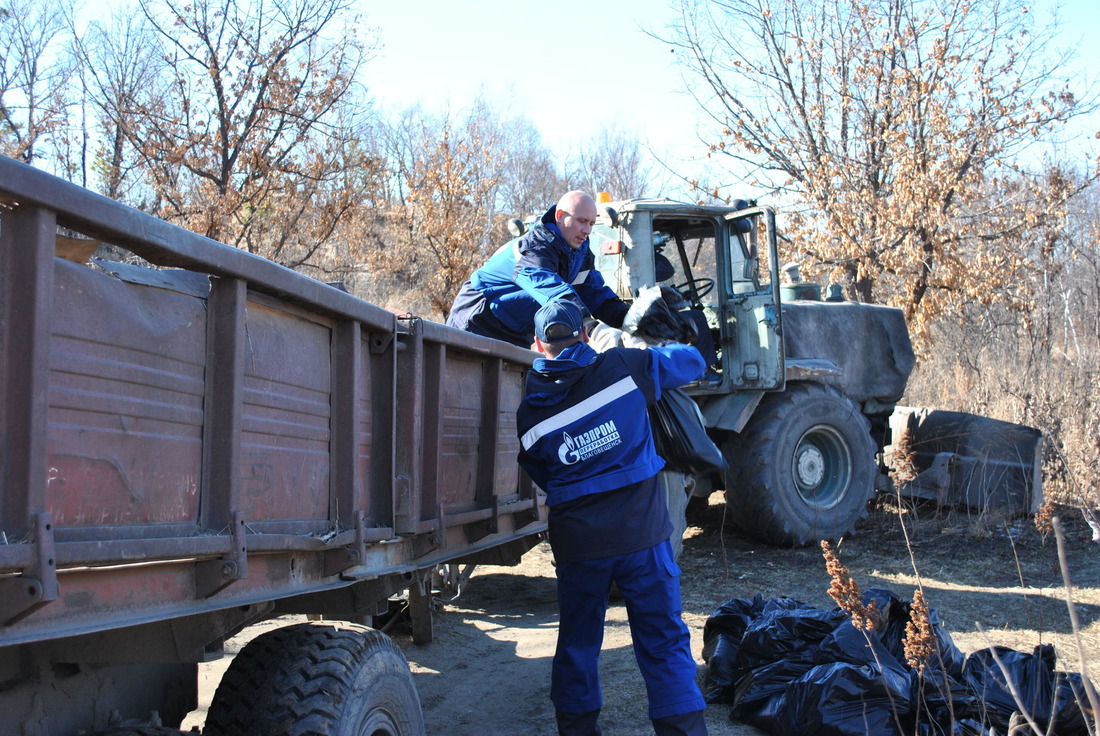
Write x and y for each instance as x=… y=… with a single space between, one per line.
x=550 y=261
x=586 y=441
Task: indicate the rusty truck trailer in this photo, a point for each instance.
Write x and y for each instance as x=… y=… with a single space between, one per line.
x=193 y=448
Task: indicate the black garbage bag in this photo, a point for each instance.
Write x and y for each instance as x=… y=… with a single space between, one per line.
x=798 y=670
x=840 y=699
x=654 y=317
x=778 y=646
x=719 y=681
x=891 y=631
x=731 y=618
x=948 y=657
x=680 y=437
x=962 y=727
x=1072 y=712
x=779 y=635
x=721 y=639
x=846 y=643
x=894 y=614
x=786 y=629
x=1032 y=676
x=982 y=702
x=758 y=688
x=938 y=700
x=938 y=693
x=679 y=434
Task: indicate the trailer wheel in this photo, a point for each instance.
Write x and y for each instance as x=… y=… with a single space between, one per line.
x=803 y=469
x=319 y=678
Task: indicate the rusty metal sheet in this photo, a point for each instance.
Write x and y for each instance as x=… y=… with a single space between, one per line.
x=470 y=388
x=286 y=415
x=479 y=443
x=126 y=402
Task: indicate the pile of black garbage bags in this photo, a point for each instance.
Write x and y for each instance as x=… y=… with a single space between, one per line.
x=789 y=668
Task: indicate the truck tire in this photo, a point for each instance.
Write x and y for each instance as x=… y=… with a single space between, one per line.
x=319 y=678
x=803 y=469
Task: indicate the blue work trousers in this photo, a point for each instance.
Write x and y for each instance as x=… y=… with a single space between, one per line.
x=649 y=581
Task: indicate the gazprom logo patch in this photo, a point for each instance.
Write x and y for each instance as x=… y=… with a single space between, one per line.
x=593 y=442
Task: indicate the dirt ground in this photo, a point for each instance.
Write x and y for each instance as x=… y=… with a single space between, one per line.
x=487 y=671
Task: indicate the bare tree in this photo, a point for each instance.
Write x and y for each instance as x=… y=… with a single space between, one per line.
x=444 y=174
x=895 y=130
x=453 y=182
x=613 y=162
x=244 y=132
x=34 y=71
x=531 y=181
x=119 y=63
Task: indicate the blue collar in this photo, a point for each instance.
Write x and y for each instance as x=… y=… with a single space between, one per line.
x=553 y=227
x=574 y=356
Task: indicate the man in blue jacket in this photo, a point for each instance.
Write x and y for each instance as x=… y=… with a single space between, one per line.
x=585 y=439
x=550 y=261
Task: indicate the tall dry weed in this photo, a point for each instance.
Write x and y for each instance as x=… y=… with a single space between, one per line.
x=920 y=640
x=845 y=591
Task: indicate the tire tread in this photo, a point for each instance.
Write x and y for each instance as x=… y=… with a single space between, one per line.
x=295 y=680
x=755 y=507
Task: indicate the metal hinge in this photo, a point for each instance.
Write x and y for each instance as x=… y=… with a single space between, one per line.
x=36 y=586
x=212 y=576
x=340 y=559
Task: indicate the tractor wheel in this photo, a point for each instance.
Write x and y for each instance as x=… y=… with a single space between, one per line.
x=803 y=469
x=318 y=678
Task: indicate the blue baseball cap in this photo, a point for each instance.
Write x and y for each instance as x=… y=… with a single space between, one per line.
x=558 y=321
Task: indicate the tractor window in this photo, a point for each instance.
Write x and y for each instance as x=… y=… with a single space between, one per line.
x=689 y=246
x=749 y=255
x=690 y=265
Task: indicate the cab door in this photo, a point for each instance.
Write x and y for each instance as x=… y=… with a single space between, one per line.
x=752 y=320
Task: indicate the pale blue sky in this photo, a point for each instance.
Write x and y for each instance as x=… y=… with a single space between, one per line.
x=443 y=52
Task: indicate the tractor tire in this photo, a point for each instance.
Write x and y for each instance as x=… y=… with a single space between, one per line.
x=803 y=469
x=319 y=678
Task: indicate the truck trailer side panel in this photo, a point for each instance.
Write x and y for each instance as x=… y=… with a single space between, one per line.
x=189 y=449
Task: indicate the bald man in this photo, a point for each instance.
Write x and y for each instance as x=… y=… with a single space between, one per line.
x=550 y=261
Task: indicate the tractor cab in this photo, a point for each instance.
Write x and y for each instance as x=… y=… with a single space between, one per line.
x=721 y=260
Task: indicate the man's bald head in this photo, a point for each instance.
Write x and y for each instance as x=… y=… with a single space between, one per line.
x=575 y=215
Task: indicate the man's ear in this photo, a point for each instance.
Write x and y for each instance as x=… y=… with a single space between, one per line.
x=559 y=215
x=584 y=333
x=539 y=346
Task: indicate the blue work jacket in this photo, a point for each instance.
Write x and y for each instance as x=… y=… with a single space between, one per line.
x=583 y=423
x=500 y=299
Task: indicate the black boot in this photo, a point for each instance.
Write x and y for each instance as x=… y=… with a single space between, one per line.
x=681 y=724
x=578 y=724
